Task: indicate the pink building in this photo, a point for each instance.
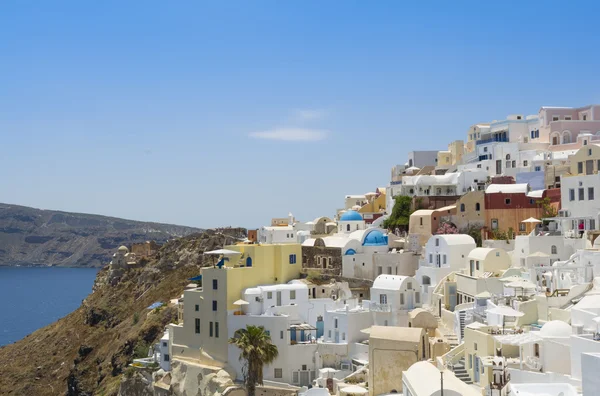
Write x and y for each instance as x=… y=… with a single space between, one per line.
x=562 y=126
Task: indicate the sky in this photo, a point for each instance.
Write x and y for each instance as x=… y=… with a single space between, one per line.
x=233 y=112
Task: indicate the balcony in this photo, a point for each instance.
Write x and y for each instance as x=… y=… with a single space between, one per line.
x=501 y=137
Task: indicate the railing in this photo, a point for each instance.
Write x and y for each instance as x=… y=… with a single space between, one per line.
x=450 y=358
x=376 y=307
x=490 y=140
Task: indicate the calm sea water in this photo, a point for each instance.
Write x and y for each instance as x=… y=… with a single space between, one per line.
x=32 y=298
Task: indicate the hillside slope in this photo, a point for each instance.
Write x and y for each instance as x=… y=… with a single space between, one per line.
x=49 y=237
x=86 y=352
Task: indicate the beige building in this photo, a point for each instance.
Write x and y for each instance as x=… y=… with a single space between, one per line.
x=470 y=211
x=452 y=156
x=393 y=350
x=425 y=222
x=586 y=161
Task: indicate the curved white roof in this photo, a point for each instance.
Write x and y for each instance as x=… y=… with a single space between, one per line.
x=389 y=282
x=420 y=370
x=522 y=188
x=536 y=194
x=309 y=242
x=480 y=253
x=556 y=328
x=455 y=239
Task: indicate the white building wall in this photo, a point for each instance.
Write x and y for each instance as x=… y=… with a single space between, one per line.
x=590 y=381
x=580 y=208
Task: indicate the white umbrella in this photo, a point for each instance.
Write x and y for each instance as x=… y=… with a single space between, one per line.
x=224 y=252
x=531 y=220
x=505 y=311
x=241 y=302
x=310 y=223
x=370 y=193
x=331 y=223
x=512 y=278
x=523 y=283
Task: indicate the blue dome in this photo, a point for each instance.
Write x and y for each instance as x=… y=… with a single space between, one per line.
x=351 y=215
x=375 y=238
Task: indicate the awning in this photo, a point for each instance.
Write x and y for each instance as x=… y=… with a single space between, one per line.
x=224 y=252
x=196 y=278
x=518 y=339
x=505 y=311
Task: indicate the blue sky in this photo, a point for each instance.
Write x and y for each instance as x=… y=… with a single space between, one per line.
x=230 y=113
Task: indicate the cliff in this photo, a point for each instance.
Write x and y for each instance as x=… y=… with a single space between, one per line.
x=48 y=237
x=86 y=352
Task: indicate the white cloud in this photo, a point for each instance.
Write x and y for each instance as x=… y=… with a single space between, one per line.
x=310 y=114
x=292 y=134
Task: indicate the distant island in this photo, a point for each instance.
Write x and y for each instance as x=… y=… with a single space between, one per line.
x=30 y=236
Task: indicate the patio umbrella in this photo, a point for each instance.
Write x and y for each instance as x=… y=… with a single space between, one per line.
x=512 y=278
x=521 y=284
x=241 y=302
x=504 y=311
x=331 y=223
x=531 y=220
x=224 y=252
x=353 y=390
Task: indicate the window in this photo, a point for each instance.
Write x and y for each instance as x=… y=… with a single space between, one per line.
x=214 y=305
x=507 y=156
x=514 y=163
x=581 y=194
x=477 y=206
x=379 y=270
x=409 y=285
x=347 y=227
x=417 y=297
x=216 y=329
x=538 y=168
x=585 y=142
x=278 y=373
x=430 y=258
x=215 y=284
x=462 y=207
x=521 y=228
x=382 y=299
x=580 y=167
x=295 y=377
x=553 y=250
x=507 y=201
x=590 y=193
x=197 y=325
x=343 y=336
x=554 y=118
x=389 y=270
x=166 y=357
x=292 y=294
x=292 y=259
x=269 y=295
x=281 y=334
x=525 y=163
x=444 y=259
x=401 y=298
x=532 y=202
x=477 y=265
x=494 y=224
x=567 y=118
x=164 y=344
x=585 y=117
x=329 y=333
x=475 y=346
x=571 y=194
x=485 y=149
x=197 y=308
x=210 y=329
x=437 y=241
x=335 y=322
x=497 y=254
x=420 y=221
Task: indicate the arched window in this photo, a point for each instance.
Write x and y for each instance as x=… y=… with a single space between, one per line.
x=477 y=206
x=507 y=157
x=462 y=207
x=566 y=137
x=347 y=227
x=553 y=249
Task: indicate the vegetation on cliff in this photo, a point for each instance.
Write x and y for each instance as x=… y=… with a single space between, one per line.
x=86 y=352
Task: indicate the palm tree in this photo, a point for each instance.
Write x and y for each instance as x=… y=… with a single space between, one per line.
x=256 y=351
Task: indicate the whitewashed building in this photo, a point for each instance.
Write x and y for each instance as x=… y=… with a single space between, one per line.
x=392 y=297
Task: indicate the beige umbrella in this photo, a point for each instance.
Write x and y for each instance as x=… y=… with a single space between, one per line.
x=531 y=220
x=241 y=302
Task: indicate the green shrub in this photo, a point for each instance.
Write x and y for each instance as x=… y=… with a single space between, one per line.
x=136 y=318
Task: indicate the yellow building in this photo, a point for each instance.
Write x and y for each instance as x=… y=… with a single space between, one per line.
x=261 y=265
x=586 y=161
x=203 y=334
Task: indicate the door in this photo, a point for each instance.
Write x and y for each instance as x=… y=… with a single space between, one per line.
x=279 y=299
x=304 y=378
x=476 y=369
x=409 y=300
x=498 y=167
x=589 y=167
x=438 y=260
x=337 y=336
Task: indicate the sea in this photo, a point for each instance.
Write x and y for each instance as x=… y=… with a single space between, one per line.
x=34 y=297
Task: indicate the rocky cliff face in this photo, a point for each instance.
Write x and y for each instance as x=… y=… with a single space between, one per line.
x=48 y=237
x=88 y=351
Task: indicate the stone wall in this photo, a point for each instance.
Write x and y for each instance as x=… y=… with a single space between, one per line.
x=312 y=259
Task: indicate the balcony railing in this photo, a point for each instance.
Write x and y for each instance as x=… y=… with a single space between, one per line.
x=502 y=139
x=376 y=307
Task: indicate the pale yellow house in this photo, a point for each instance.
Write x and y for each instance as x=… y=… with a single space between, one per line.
x=393 y=350
x=425 y=222
x=203 y=334
x=586 y=161
x=470 y=211
x=486 y=262
x=452 y=156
